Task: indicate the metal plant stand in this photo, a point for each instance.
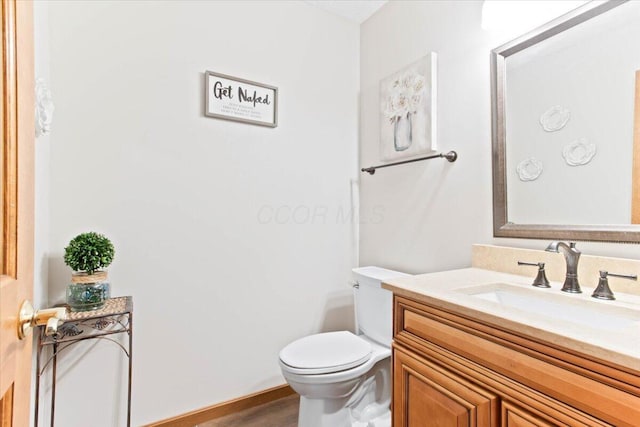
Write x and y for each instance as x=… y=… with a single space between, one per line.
x=116 y=317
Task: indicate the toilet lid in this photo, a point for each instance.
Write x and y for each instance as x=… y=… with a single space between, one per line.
x=327 y=352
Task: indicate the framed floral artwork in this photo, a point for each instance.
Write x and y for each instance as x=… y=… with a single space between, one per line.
x=408 y=110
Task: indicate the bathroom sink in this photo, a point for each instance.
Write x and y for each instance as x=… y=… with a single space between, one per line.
x=543 y=304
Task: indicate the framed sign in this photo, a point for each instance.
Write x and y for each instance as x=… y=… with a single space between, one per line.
x=241 y=100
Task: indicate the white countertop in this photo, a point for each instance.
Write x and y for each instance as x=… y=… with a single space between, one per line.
x=575 y=321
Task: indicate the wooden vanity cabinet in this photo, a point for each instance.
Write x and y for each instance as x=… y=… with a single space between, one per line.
x=450 y=370
x=428 y=394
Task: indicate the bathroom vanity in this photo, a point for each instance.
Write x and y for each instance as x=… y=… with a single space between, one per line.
x=475 y=347
x=481 y=346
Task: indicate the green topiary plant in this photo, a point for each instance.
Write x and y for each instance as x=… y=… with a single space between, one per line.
x=89 y=252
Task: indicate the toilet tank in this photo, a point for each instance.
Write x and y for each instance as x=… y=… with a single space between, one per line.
x=374 y=305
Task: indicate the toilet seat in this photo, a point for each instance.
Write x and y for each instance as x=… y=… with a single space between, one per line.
x=325 y=353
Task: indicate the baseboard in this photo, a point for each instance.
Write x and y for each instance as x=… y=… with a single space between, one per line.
x=193 y=418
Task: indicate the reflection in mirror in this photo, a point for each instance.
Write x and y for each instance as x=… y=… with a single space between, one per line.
x=563 y=116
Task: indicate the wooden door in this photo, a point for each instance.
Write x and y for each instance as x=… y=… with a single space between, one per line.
x=427 y=395
x=17 y=210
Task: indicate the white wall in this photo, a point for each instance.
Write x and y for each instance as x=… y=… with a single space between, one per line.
x=42 y=171
x=429 y=213
x=431 y=210
x=42 y=159
x=229 y=236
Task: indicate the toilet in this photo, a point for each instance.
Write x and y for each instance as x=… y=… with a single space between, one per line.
x=344 y=379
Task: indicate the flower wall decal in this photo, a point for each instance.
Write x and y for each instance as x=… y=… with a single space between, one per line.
x=529 y=169
x=579 y=152
x=44 y=108
x=555 y=118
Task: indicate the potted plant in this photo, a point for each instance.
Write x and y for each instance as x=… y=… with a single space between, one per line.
x=87 y=254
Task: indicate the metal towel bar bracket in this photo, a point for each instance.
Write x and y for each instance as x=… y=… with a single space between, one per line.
x=451 y=156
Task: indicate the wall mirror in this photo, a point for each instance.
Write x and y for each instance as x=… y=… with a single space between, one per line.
x=566 y=127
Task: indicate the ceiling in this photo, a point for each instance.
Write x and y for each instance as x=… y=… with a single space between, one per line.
x=354 y=10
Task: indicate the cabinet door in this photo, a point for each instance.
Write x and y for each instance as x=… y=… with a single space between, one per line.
x=513 y=416
x=427 y=395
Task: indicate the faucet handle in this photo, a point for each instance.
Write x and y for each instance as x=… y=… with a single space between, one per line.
x=603 y=291
x=541 y=278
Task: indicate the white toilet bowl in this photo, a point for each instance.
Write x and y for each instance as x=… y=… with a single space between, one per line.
x=343 y=379
x=355 y=392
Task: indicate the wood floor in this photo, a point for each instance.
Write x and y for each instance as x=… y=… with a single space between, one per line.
x=279 y=413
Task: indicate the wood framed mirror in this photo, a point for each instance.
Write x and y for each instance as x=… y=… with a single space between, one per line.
x=564 y=103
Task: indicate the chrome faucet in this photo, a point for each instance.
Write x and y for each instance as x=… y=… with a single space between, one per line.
x=571 y=256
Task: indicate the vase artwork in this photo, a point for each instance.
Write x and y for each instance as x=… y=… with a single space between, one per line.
x=407 y=110
x=402 y=132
